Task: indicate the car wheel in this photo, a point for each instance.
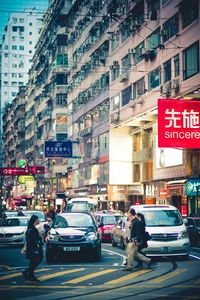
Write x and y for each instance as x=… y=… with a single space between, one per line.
x=114 y=244
x=122 y=244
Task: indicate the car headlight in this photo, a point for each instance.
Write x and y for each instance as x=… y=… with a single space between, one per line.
x=182 y=235
x=53 y=237
x=92 y=237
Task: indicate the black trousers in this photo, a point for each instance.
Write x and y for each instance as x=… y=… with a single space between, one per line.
x=34 y=262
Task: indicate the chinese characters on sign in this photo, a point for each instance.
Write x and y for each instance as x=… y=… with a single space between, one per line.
x=22 y=171
x=58 y=149
x=178 y=123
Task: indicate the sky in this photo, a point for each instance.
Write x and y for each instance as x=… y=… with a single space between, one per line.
x=9 y=6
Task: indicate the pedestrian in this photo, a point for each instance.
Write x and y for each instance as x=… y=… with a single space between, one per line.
x=34 y=251
x=134 y=241
x=143 y=243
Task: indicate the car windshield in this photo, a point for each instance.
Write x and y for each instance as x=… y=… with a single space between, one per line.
x=157 y=218
x=78 y=220
x=109 y=220
x=15 y=222
x=197 y=222
x=39 y=214
x=11 y=213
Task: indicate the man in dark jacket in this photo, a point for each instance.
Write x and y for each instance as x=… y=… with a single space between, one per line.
x=136 y=234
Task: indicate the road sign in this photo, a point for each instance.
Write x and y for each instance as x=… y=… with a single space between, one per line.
x=22 y=171
x=58 y=149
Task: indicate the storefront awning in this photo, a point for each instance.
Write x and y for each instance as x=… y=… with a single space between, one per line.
x=181 y=181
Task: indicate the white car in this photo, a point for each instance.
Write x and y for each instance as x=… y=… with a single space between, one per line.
x=12 y=231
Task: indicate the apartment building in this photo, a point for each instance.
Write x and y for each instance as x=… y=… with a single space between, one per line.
x=141 y=51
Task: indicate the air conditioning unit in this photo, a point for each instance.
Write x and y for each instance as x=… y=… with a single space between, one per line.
x=176 y=85
x=124 y=77
x=132 y=51
x=167 y=88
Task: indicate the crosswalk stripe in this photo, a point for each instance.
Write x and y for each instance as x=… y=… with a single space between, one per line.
x=167 y=276
x=57 y=274
x=17 y=274
x=89 y=276
x=129 y=276
x=197 y=281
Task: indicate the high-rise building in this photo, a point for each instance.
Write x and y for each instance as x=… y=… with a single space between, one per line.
x=19 y=40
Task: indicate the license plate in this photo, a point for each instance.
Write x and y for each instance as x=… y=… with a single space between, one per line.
x=166 y=250
x=107 y=231
x=71 y=249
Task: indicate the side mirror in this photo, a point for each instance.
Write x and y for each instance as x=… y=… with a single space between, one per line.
x=100 y=225
x=185 y=221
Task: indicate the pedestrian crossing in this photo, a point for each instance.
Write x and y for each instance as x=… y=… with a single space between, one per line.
x=107 y=277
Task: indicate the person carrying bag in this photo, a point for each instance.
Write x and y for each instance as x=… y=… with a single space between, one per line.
x=34 y=252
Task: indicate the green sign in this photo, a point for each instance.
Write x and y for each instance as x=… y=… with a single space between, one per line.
x=193 y=187
x=21 y=163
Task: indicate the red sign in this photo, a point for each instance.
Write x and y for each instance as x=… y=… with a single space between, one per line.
x=178 y=123
x=22 y=171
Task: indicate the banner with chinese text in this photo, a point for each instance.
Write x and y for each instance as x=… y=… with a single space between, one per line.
x=178 y=123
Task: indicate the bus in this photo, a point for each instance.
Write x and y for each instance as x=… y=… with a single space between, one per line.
x=82 y=204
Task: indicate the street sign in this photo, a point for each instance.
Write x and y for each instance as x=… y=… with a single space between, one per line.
x=22 y=171
x=58 y=149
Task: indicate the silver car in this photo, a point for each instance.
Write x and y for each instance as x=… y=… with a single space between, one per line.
x=120 y=233
x=12 y=231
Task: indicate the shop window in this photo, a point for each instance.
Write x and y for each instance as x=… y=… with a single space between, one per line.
x=191 y=61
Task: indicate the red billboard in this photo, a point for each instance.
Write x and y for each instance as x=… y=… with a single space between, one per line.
x=22 y=171
x=178 y=123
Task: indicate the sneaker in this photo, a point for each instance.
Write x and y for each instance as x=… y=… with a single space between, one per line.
x=125 y=263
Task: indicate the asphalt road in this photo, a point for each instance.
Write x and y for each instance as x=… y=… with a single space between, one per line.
x=81 y=279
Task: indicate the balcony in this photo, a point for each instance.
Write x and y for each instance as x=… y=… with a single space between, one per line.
x=61 y=128
x=85 y=131
x=143 y=155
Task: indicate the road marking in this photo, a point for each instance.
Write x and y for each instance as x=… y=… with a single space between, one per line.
x=89 y=276
x=127 y=277
x=167 y=276
x=45 y=277
x=197 y=281
x=194 y=256
x=17 y=275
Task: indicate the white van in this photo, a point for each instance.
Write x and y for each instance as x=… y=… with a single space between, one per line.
x=168 y=232
x=82 y=204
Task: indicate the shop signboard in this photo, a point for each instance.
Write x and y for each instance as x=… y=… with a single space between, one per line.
x=178 y=123
x=58 y=149
x=193 y=187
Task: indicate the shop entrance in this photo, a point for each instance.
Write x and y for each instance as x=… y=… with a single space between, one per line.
x=176 y=201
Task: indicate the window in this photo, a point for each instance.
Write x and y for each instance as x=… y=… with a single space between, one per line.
x=21 y=47
x=61 y=79
x=114 y=41
x=30 y=42
x=21 y=75
x=176 y=66
x=21 y=20
x=14 y=28
x=191 y=61
x=14 y=47
x=14 y=94
x=30 y=33
x=21 y=38
x=6 y=55
x=14 y=38
x=62 y=60
x=6 y=47
x=30 y=51
x=30 y=24
x=61 y=99
x=21 y=65
x=138 y=88
x=14 y=75
x=14 y=65
x=153 y=41
x=167 y=71
x=170 y=28
x=125 y=30
x=5 y=83
x=15 y=20
x=154 y=78
x=116 y=102
x=138 y=53
x=126 y=63
x=189 y=11
x=115 y=72
x=126 y=95
x=14 y=83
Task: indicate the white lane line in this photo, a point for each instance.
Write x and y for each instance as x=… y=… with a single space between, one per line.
x=194 y=256
x=115 y=253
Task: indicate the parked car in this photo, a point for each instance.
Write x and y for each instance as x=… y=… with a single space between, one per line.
x=106 y=224
x=42 y=217
x=12 y=230
x=193 y=229
x=73 y=233
x=169 y=236
x=119 y=233
x=8 y=213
